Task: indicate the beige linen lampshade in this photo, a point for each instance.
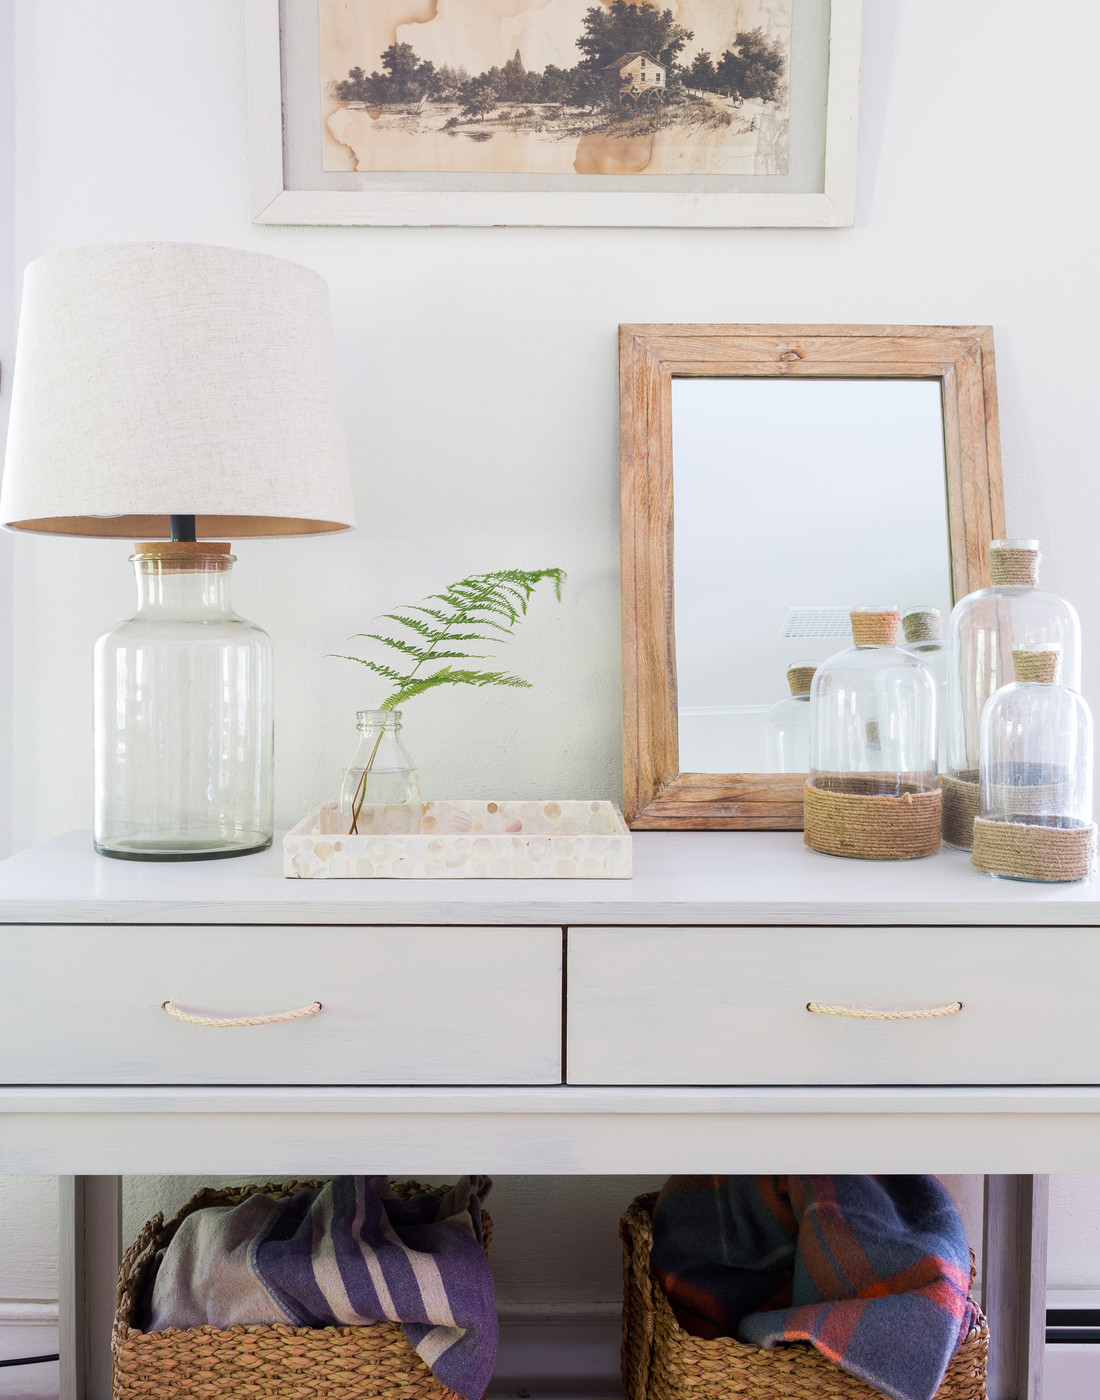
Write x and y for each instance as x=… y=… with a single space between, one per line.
x=159 y=379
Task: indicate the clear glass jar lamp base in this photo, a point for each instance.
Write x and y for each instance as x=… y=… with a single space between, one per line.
x=184 y=847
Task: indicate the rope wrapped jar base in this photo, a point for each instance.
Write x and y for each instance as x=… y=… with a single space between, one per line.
x=960 y=807
x=870 y=827
x=663 y=1362
x=1023 y=851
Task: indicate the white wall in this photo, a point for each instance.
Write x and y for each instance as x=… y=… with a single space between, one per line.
x=479 y=378
x=7 y=350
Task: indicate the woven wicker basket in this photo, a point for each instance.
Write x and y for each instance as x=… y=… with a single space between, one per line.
x=255 y=1363
x=663 y=1362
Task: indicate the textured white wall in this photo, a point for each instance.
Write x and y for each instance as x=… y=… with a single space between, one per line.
x=479 y=380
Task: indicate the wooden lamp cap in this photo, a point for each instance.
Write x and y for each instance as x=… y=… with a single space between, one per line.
x=183 y=556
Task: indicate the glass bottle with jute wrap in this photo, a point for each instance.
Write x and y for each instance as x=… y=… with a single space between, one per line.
x=1035 y=815
x=872 y=789
x=785 y=732
x=984 y=628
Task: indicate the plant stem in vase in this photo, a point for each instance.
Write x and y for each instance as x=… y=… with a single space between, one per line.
x=381 y=788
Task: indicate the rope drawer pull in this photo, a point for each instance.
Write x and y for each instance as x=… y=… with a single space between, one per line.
x=860 y=1015
x=227 y=1022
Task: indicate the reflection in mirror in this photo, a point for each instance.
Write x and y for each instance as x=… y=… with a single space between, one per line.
x=794 y=501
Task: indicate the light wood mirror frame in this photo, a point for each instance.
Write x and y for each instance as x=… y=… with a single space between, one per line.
x=656 y=794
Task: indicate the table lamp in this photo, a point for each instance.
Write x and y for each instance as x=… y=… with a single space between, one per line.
x=186 y=395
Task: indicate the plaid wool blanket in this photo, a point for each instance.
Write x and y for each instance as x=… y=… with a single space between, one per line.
x=874 y=1271
x=349 y=1253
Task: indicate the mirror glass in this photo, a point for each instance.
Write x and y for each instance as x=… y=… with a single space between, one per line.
x=794 y=500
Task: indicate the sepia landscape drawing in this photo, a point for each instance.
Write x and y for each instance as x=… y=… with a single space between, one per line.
x=555 y=87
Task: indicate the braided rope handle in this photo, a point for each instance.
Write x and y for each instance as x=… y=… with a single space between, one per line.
x=859 y=1014
x=230 y=1022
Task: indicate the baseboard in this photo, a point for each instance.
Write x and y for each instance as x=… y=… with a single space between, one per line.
x=28 y=1329
x=558 y=1351
x=1071 y=1369
x=20 y=1310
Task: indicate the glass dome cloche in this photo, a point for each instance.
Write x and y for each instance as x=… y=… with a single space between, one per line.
x=785 y=732
x=984 y=628
x=923 y=629
x=1035 y=814
x=872 y=788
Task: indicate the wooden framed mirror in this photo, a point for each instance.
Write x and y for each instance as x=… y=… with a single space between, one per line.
x=772 y=478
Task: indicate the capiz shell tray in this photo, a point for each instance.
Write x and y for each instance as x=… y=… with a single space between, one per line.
x=468 y=841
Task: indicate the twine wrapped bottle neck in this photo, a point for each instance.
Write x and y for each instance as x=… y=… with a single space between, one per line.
x=800 y=678
x=1014 y=566
x=923 y=625
x=875 y=629
x=1036 y=667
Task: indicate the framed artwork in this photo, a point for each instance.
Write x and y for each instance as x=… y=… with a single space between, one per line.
x=598 y=113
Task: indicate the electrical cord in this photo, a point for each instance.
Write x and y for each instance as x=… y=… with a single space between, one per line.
x=28 y=1360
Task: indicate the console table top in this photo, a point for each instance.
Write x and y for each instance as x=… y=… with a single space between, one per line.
x=681 y=878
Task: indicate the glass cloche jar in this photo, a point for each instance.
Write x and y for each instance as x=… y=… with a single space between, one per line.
x=1035 y=815
x=923 y=629
x=183 y=716
x=872 y=788
x=1014 y=612
x=785 y=732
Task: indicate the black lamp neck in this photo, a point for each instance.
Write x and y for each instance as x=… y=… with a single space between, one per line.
x=183 y=527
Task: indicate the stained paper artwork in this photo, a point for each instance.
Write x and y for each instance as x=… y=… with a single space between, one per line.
x=557 y=87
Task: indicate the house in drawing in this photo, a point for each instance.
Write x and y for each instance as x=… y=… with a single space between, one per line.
x=640 y=76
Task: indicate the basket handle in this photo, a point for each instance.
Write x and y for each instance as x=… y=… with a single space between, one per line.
x=859 y=1014
x=230 y=1022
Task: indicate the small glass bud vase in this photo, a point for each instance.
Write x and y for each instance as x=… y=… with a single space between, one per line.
x=985 y=627
x=183 y=716
x=1035 y=816
x=380 y=793
x=785 y=732
x=923 y=630
x=872 y=789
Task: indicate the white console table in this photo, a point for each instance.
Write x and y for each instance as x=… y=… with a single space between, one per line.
x=653 y=1025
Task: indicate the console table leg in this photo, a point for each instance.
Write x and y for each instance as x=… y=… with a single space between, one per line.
x=90 y=1248
x=1014 y=1284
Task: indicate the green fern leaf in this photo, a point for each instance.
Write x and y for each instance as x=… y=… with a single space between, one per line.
x=469 y=608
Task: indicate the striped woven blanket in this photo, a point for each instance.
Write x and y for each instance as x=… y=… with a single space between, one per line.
x=349 y=1253
x=874 y=1271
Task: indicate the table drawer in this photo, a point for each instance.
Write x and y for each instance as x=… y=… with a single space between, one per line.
x=729 y=1006
x=84 y=1005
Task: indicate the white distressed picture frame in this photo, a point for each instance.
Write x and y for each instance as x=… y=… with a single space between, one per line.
x=274 y=203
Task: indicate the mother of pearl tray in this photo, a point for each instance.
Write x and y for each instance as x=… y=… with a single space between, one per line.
x=468 y=841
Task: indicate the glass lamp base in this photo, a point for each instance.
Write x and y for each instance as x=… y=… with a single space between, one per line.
x=182 y=848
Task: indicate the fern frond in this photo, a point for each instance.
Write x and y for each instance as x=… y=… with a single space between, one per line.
x=414 y=624
x=423 y=654
x=387 y=671
x=408 y=648
x=467 y=610
x=448 y=676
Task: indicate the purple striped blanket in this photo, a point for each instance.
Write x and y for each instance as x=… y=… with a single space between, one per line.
x=873 y=1270
x=350 y=1253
